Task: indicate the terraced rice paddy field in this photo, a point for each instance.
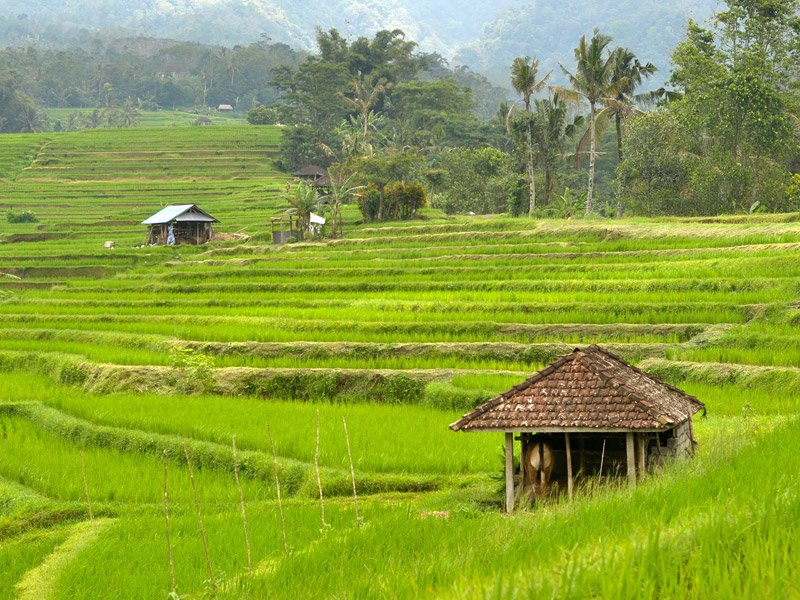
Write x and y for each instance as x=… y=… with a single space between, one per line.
x=109 y=357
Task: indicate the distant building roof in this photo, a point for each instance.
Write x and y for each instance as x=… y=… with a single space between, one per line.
x=181 y=213
x=589 y=389
x=312 y=171
x=225 y=107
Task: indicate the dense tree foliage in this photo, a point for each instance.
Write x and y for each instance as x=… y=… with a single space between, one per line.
x=156 y=73
x=729 y=143
x=18 y=112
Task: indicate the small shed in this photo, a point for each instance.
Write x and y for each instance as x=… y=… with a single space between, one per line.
x=180 y=223
x=285 y=227
x=225 y=108
x=620 y=418
x=314 y=175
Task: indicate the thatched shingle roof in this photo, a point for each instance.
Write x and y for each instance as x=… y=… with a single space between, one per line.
x=311 y=172
x=589 y=389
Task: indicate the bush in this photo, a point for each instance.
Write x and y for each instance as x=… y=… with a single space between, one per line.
x=262 y=115
x=198 y=367
x=481 y=181
x=400 y=202
x=26 y=216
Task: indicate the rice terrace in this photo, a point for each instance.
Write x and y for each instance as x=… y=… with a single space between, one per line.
x=119 y=364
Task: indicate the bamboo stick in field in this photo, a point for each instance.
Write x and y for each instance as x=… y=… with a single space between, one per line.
x=244 y=511
x=319 y=479
x=165 y=458
x=278 y=488
x=602 y=456
x=352 y=470
x=199 y=515
x=86 y=486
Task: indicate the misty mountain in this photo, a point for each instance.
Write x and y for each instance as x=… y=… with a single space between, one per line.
x=438 y=25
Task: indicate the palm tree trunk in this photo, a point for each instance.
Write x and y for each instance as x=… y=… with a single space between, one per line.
x=591 y=161
x=531 y=180
x=548 y=183
x=618 y=120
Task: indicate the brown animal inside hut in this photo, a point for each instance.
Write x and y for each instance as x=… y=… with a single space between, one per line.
x=180 y=224
x=589 y=414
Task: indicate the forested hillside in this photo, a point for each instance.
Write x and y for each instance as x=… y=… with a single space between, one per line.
x=547 y=29
x=484 y=35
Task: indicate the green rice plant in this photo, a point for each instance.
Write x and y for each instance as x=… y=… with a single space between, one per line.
x=23 y=553
x=660 y=537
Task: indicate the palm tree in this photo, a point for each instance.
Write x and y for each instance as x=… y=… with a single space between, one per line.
x=365 y=97
x=128 y=114
x=593 y=81
x=523 y=79
x=304 y=201
x=339 y=194
x=628 y=69
x=551 y=134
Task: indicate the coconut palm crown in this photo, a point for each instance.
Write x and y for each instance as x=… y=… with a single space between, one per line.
x=524 y=73
x=592 y=81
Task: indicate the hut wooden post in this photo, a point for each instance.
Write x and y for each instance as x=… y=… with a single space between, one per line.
x=629 y=447
x=522 y=446
x=569 y=465
x=642 y=442
x=582 y=451
x=509 y=471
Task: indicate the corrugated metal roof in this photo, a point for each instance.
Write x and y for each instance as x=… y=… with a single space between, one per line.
x=585 y=390
x=180 y=212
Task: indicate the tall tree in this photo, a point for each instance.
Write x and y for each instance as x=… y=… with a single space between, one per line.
x=524 y=73
x=629 y=70
x=365 y=97
x=593 y=82
x=553 y=129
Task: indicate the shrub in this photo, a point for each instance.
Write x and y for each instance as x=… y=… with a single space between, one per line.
x=199 y=368
x=26 y=216
x=262 y=115
x=401 y=201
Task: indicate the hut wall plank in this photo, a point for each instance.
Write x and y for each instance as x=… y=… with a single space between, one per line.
x=629 y=447
x=509 y=472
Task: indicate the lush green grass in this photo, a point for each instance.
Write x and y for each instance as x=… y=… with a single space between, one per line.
x=700 y=530
x=23 y=553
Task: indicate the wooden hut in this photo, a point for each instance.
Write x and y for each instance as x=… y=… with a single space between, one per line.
x=180 y=223
x=593 y=411
x=314 y=176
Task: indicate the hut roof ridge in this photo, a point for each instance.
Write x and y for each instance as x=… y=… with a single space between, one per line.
x=588 y=388
x=171 y=212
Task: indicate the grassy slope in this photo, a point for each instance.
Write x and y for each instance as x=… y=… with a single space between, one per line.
x=443 y=311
